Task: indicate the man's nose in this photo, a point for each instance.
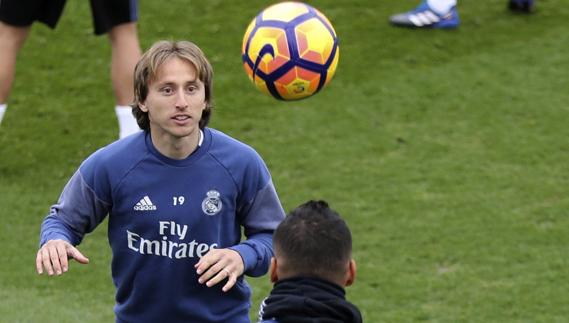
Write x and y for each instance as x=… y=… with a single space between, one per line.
x=181 y=102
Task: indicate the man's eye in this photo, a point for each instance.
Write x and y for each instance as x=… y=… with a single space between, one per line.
x=166 y=90
x=192 y=89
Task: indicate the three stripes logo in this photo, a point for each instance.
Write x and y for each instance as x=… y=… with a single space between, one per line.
x=145 y=204
x=425 y=18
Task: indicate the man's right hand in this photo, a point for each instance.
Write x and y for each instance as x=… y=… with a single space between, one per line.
x=53 y=257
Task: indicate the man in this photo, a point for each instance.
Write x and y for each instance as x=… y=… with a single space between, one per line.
x=312 y=265
x=177 y=196
x=117 y=18
x=442 y=14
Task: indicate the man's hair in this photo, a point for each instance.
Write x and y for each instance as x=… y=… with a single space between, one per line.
x=147 y=68
x=313 y=240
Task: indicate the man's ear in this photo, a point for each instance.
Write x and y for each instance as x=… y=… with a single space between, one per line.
x=350 y=273
x=142 y=107
x=273 y=270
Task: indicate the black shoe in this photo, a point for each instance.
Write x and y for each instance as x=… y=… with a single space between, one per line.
x=524 y=6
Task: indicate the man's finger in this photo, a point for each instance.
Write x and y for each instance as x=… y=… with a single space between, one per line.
x=207 y=261
x=221 y=275
x=46 y=260
x=211 y=272
x=230 y=282
x=39 y=266
x=62 y=257
x=77 y=255
x=55 y=260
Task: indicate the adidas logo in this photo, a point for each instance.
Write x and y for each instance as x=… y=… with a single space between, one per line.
x=145 y=204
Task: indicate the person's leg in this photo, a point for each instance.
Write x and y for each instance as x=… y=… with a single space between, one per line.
x=125 y=54
x=441 y=7
x=429 y=14
x=11 y=40
x=16 y=19
x=117 y=19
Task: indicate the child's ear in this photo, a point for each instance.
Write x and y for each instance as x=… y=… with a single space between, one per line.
x=350 y=273
x=273 y=270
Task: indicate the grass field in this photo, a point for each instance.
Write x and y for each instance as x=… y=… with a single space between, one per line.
x=446 y=151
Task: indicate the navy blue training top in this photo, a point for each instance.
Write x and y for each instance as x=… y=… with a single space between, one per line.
x=165 y=214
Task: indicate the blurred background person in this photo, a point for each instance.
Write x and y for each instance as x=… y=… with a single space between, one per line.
x=442 y=14
x=116 y=18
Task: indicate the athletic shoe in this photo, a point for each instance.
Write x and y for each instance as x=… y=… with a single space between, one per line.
x=424 y=17
x=525 y=6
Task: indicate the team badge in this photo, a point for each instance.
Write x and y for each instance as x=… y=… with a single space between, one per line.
x=211 y=205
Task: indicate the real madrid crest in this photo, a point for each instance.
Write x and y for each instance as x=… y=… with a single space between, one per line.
x=211 y=205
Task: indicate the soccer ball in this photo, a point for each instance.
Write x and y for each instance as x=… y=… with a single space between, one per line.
x=290 y=51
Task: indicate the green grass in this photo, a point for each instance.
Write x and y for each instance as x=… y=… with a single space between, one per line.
x=446 y=151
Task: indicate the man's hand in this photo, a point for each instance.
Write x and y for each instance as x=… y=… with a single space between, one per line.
x=219 y=264
x=53 y=257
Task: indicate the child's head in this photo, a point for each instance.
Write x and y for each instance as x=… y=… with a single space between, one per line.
x=313 y=241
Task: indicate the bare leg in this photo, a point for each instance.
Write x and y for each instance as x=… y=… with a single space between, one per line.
x=11 y=40
x=125 y=54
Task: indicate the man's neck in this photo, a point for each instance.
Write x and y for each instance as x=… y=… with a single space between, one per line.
x=177 y=147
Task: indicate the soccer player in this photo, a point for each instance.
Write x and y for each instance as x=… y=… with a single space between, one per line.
x=117 y=18
x=312 y=265
x=177 y=195
x=443 y=14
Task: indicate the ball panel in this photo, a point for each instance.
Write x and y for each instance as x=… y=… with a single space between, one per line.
x=314 y=41
x=247 y=36
x=274 y=38
x=326 y=22
x=262 y=86
x=297 y=83
x=333 y=65
x=284 y=11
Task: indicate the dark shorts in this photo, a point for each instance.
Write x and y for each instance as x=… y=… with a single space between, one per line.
x=106 y=13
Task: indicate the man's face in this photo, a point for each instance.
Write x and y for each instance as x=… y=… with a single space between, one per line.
x=175 y=101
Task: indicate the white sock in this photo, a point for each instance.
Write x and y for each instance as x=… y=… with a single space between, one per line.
x=442 y=7
x=127 y=122
x=3 y=108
